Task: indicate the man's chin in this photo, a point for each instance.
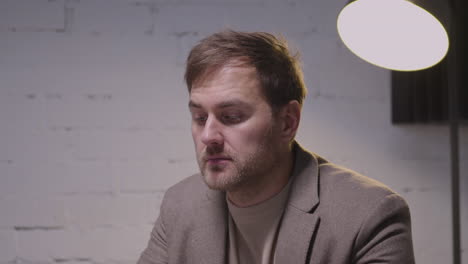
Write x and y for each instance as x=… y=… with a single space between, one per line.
x=218 y=180
x=213 y=180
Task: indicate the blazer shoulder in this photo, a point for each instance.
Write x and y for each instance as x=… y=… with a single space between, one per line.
x=350 y=196
x=190 y=183
x=371 y=220
x=185 y=193
x=181 y=201
x=349 y=185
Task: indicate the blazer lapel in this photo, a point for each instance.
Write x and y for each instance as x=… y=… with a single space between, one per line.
x=296 y=236
x=300 y=222
x=210 y=236
x=298 y=225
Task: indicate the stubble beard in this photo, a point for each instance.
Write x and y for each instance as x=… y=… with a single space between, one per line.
x=239 y=174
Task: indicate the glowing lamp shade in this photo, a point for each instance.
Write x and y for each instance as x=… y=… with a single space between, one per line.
x=393 y=34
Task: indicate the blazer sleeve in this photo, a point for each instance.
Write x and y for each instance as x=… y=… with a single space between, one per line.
x=156 y=250
x=385 y=234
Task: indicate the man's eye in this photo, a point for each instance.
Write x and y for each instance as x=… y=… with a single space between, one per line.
x=199 y=119
x=232 y=118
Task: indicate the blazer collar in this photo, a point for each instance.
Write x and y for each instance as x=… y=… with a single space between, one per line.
x=298 y=224
x=208 y=239
x=304 y=193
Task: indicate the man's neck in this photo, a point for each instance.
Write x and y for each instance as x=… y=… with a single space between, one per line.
x=267 y=187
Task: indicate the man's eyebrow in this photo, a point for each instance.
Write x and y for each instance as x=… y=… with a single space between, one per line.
x=224 y=104
x=192 y=104
x=230 y=103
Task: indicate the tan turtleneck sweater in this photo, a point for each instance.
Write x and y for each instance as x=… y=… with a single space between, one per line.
x=253 y=230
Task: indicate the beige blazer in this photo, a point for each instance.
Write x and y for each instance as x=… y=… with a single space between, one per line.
x=333 y=215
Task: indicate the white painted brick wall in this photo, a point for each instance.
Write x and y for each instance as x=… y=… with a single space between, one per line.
x=23 y=212
x=8 y=249
x=121 y=17
x=98 y=245
x=32 y=15
x=94 y=123
x=113 y=210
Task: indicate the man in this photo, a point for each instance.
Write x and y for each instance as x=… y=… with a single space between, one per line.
x=260 y=197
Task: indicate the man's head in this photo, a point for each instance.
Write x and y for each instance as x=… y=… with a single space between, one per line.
x=246 y=93
x=278 y=71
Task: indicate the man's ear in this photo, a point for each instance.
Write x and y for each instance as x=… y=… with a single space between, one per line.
x=290 y=118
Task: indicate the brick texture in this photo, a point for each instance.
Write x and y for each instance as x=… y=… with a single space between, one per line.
x=94 y=125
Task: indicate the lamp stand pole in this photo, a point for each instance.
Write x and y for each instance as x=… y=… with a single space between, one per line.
x=453 y=82
x=455 y=170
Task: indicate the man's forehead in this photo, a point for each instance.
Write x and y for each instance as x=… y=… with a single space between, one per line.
x=228 y=86
x=222 y=104
x=228 y=69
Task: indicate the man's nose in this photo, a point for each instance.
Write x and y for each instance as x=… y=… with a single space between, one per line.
x=212 y=133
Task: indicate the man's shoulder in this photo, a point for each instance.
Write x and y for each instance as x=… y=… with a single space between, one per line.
x=367 y=217
x=183 y=198
x=344 y=181
x=334 y=180
x=345 y=192
x=190 y=187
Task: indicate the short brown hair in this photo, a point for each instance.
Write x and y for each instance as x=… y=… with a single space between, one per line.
x=278 y=71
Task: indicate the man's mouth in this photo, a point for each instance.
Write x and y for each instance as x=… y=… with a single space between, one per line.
x=217 y=159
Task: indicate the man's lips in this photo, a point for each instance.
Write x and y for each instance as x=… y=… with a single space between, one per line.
x=217 y=159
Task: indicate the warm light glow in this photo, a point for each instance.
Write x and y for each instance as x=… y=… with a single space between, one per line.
x=393 y=34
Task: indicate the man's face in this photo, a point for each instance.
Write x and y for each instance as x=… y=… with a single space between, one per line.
x=233 y=129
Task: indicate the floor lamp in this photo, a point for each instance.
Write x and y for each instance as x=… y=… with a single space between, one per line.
x=395 y=35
